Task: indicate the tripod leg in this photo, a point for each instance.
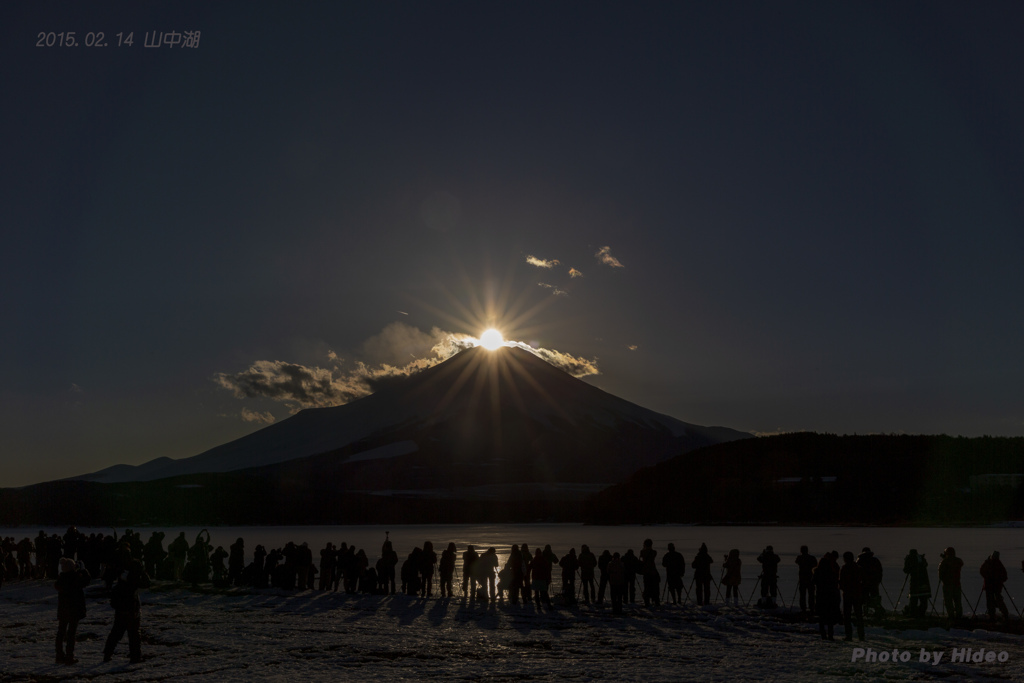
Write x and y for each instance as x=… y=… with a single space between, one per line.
x=974 y=612
x=935 y=599
x=1012 y=601
x=753 y=591
x=688 y=589
x=895 y=609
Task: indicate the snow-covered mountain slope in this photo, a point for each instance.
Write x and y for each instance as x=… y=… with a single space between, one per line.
x=478 y=405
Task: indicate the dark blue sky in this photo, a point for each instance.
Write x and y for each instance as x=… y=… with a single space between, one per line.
x=818 y=209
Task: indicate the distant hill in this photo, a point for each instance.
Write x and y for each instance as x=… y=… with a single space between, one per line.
x=822 y=478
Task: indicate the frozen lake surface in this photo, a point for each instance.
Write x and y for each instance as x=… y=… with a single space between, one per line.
x=243 y=635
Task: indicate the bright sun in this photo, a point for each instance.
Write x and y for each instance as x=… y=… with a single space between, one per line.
x=491 y=339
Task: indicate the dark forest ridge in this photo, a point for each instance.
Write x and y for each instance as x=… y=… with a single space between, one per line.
x=807 y=478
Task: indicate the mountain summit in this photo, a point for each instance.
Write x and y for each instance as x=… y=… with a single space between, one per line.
x=480 y=422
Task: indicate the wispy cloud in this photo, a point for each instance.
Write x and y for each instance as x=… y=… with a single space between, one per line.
x=573 y=273
x=574 y=365
x=254 y=416
x=309 y=386
x=542 y=263
x=75 y=389
x=554 y=290
x=604 y=255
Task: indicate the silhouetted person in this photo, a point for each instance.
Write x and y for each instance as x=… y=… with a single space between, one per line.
x=428 y=561
x=236 y=562
x=469 y=558
x=541 y=571
x=916 y=568
x=602 y=566
x=872 y=567
x=217 y=564
x=569 y=564
x=24 y=552
x=851 y=582
x=70 y=585
x=486 y=566
x=54 y=551
x=732 y=577
x=259 y=576
x=702 y=574
x=389 y=560
x=71 y=542
x=826 y=586
x=42 y=550
x=524 y=552
x=769 y=576
x=304 y=568
x=328 y=556
x=446 y=570
x=410 y=572
x=514 y=574
x=178 y=551
x=362 y=565
x=949 y=576
x=994 y=573
x=588 y=563
x=124 y=598
x=675 y=567
x=806 y=563
x=350 y=571
x=616 y=582
x=649 y=570
x=153 y=552
x=632 y=565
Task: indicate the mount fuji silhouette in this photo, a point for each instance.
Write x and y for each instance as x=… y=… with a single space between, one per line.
x=481 y=425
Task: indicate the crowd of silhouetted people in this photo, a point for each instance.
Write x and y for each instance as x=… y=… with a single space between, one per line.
x=832 y=592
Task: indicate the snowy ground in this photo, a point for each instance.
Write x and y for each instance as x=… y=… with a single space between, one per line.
x=272 y=634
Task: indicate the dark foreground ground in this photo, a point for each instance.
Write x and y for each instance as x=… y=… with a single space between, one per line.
x=271 y=634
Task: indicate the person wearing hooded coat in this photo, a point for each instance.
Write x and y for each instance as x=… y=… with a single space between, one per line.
x=389 y=560
x=569 y=564
x=446 y=570
x=994 y=573
x=540 y=569
x=236 y=562
x=702 y=574
x=602 y=566
x=588 y=563
x=826 y=586
x=872 y=567
x=70 y=585
x=649 y=569
x=124 y=598
x=733 y=575
x=632 y=566
x=916 y=568
x=805 y=579
x=675 y=568
x=851 y=582
x=428 y=561
x=949 y=577
x=469 y=558
x=769 y=576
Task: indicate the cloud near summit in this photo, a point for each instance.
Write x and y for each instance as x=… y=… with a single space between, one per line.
x=604 y=255
x=399 y=350
x=542 y=263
